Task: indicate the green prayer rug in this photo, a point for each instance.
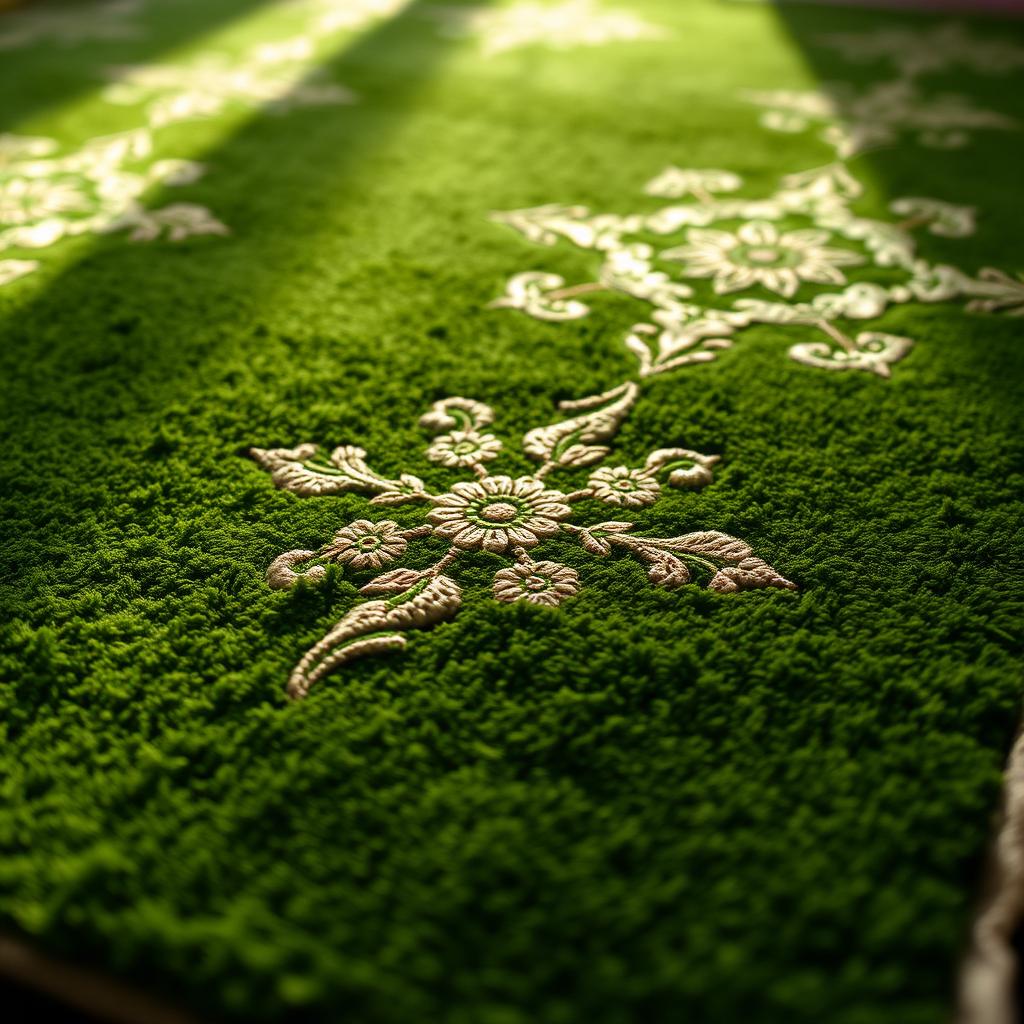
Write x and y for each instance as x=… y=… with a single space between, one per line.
x=512 y=511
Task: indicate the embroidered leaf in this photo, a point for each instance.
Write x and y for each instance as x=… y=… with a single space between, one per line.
x=546 y=224
x=719 y=546
x=667 y=558
x=592 y=537
x=593 y=544
x=570 y=442
x=750 y=574
x=406 y=488
x=394 y=582
x=860 y=301
x=306 y=471
x=665 y=570
x=582 y=455
x=375 y=627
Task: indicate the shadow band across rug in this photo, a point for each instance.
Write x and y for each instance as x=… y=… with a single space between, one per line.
x=512 y=511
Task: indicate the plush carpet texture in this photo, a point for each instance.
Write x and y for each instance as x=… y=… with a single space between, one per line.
x=625 y=781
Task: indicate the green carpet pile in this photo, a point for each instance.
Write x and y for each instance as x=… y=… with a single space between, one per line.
x=644 y=804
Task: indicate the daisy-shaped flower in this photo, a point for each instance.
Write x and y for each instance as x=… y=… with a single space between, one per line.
x=536 y=582
x=498 y=513
x=620 y=485
x=463 y=448
x=758 y=253
x=366 y=545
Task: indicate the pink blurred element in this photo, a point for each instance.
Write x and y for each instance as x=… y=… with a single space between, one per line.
x=938 y=6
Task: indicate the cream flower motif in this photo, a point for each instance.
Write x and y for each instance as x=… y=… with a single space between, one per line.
x=545 y=583
x=366 y=545
x=620 y=485
x=27 y=200
x=498 y=513
x=463 y=448
x=501 y=515
x=759 y=254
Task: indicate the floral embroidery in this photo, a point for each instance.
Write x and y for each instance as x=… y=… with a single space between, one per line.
x=919 y=50
x=879 y=116
x=546 y=583
x=882 y=114
x=759 y=254
x=500 y=515
x=621 y=485
x=366 y=545
x=24 y=200
x=999 y=293
x=464 y=448
x=765 y=258
x=99 y=188
x=277 y=76
x=558 y=26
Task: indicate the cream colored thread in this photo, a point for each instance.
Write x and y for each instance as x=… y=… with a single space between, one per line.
x=881 y=115
x=920 y=50
x=540 y=583
x=100 y=187
x=438 y=601
x=570 y=442
x=279 y=75
x=759 y=254
x=988 y=975
x=498 y=514
x=46 y=196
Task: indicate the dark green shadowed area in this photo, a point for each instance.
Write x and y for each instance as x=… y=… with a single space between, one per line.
x=644 y=805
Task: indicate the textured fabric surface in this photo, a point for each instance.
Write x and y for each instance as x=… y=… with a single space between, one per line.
x=642 y=804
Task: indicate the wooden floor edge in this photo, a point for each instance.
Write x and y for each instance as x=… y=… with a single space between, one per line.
x=988 y=976
x=105 y=998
